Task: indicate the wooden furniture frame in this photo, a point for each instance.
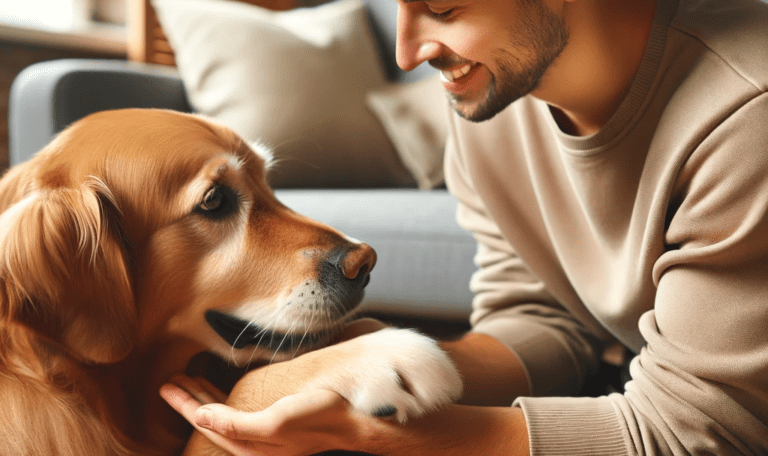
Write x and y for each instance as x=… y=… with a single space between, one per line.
x=146 y=40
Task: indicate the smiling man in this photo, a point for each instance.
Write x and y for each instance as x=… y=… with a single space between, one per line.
x=611 y=159
x=523 y=49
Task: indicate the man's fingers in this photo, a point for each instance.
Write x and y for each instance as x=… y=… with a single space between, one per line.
x=220 y=418
x=304 y=417
x=180 y=400
x=186 y=395
x=225 y=420
x=234 y=424
x=198 y=388
x=187 y=406
x=302 y=409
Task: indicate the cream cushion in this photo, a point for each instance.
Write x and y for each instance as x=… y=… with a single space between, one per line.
x=294 y=80
x=415 y=116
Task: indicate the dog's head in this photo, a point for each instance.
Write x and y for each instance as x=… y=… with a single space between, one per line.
x=135 y=226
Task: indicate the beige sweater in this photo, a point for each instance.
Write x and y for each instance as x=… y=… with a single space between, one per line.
x=653 y=231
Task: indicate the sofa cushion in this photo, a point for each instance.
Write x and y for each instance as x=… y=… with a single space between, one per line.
x=415 y=116
x=294 y=80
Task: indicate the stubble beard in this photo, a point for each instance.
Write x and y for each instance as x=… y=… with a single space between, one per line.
x=537 y=41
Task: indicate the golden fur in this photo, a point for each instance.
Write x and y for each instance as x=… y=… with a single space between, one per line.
x=110 y=257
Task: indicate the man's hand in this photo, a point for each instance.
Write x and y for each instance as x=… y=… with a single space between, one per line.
x=313 y=421
x=305 y=423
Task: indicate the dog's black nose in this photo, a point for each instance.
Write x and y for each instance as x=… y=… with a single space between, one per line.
x=358 y=262
x=345 y=273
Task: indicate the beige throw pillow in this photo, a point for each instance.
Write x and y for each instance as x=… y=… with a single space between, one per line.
x=294 y=80
x=415 y=117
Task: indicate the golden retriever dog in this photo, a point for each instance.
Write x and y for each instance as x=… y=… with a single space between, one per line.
x=139 y=238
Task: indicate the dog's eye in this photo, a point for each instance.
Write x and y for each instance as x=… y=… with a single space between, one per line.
x=212 y=200
x=218 y=202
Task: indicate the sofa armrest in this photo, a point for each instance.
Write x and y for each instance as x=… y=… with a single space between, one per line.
x=48 y=96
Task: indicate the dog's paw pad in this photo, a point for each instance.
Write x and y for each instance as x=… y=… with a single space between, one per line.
x=385 y=411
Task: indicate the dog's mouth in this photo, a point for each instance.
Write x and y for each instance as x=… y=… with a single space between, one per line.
x=240 y=334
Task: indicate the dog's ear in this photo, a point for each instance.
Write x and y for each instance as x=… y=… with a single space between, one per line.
x=64 y=271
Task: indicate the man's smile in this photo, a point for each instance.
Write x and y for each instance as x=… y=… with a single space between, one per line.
x=452 y=75
x=467 y=82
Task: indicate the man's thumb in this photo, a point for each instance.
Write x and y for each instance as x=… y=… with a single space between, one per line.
x=218 y=418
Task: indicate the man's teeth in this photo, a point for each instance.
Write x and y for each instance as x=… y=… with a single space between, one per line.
x=452 y=75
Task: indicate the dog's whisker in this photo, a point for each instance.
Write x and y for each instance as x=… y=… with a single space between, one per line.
x=232 y=347
x=257 y=346
x=242 y=332
x=285 y=337
x=336 y=309
x=306 y=331
x=250 y=358
x=262 y=333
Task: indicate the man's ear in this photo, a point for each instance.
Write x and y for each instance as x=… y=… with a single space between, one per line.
x=64 y=271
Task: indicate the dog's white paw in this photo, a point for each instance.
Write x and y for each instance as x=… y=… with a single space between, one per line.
x=394 y=373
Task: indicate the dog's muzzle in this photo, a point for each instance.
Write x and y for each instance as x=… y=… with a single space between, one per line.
x=342 y=277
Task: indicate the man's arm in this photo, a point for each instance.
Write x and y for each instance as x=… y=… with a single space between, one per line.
x=493 y=376
x=313 y=421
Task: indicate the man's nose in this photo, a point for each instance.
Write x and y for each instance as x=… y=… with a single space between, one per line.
x=414 y=44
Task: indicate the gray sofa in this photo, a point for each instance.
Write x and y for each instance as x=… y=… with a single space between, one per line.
x=425 y=259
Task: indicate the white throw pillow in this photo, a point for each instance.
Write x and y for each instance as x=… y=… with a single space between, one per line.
x=294 y=80
x=415 y=116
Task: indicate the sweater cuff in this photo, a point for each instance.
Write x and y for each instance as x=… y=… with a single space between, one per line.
x=574 y=426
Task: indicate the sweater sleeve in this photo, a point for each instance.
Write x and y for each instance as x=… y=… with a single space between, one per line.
x=514 y=306
x=700 y=385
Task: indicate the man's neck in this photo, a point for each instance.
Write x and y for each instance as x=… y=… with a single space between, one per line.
x=586 y=84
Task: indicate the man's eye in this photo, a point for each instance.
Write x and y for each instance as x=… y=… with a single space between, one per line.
x=218 y=202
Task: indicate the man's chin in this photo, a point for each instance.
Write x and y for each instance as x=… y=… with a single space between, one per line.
x=475 y=112
x=494 y=102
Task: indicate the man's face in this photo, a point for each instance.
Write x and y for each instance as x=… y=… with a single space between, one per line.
x=490 y=52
